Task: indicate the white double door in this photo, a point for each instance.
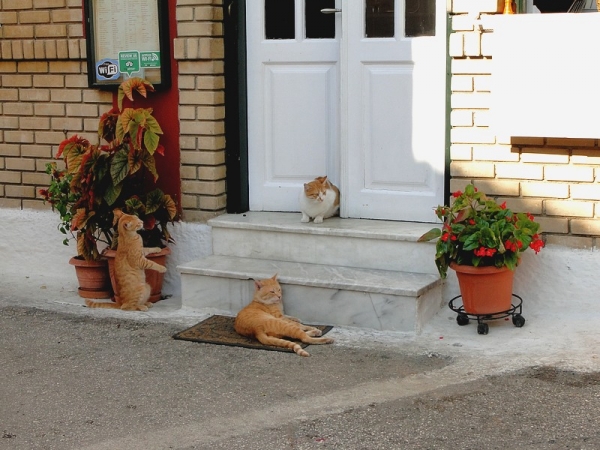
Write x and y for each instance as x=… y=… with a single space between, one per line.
x=364 y=105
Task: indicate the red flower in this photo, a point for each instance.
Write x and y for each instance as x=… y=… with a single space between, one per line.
x=457 y=194
x=471 y=222
x=536 y=245
x=149 y=223
x=503 y=205
x=511 y=246
x=483 y=251
x=529 y=216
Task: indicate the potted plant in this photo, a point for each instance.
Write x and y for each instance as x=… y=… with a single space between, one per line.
x=84 y=220
x=117 y=173
x=133 y=139
x=483 y=242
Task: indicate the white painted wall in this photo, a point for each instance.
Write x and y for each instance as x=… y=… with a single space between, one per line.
x=545 y=75
x=30 y=243
x=557 y=281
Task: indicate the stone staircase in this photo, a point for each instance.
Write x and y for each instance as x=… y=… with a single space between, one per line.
x=349 y=272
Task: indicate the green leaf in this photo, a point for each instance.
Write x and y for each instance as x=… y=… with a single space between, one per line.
x=431 y=234
x=472 y=242
x=154 y=201
x=152 y=124
x=134 y=206
x=112 y=193
x=119 y=168
x=151 y=141
x=148 y=161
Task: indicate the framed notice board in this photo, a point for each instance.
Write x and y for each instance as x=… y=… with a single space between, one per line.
x=127 y=38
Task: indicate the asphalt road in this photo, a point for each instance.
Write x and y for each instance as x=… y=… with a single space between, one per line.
x=92 y=381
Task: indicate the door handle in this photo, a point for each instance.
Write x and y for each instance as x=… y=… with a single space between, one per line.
x=331 y=10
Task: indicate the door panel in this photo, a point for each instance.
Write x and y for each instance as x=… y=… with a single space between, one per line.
x=293 y=105
x=394 y=145
x=309 y=120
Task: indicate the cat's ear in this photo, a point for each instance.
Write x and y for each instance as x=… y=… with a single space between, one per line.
x=274 y=277
x=257 y=285
x=117 y=213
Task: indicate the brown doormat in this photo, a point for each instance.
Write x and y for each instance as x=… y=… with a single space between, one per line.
x=219 y=330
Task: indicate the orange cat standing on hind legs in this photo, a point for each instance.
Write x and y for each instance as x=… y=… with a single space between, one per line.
x=130 y=263
x=263 y=319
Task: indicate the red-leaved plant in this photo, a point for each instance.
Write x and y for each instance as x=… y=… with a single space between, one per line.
x=121 y=173
x=476 y=231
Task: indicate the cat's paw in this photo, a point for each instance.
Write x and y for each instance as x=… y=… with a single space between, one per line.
x=314 y=333
x=318 y=219
x=305 y=218
x=161 y=269
x=154 y=250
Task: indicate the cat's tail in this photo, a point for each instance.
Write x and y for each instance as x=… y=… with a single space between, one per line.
x=93 y=304
x=265 y=339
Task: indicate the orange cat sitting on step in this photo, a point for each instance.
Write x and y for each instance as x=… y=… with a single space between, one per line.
x=263 y=319
x=320 y=199
x=130 y=263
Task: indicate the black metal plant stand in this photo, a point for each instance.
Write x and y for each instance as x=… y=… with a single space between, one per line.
x=482 y=328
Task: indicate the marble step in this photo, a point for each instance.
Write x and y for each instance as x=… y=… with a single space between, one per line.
x=373 y=244
x=316 y=293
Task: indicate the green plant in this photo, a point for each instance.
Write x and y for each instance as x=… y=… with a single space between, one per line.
x=60 y=196
x=120 y=174
x=476 y=231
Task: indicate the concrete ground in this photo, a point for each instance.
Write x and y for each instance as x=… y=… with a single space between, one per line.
x=76 y=378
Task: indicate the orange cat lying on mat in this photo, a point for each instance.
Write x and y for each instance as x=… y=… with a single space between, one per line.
x=263 y=319
x=130 y=264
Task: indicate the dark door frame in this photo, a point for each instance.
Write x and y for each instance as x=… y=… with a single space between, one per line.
x=236 y=109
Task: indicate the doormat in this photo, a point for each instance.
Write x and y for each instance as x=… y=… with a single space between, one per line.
x=219 y=330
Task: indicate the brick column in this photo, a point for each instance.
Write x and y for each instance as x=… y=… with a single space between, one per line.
x=199 y=49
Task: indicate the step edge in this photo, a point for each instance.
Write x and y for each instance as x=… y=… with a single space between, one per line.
x=325 y=230
x=425 y=282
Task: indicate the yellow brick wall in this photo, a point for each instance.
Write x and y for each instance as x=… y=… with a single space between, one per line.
x=44 y=96
x=199 y=50
x=43 y=93
x=557 y=180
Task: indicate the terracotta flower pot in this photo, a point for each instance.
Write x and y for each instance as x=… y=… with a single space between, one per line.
x=93 y=277
x=153 y=278
x=485 y=290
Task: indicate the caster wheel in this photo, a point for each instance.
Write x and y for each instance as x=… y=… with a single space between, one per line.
x=483 y=328
x=462 y=319
x=518 y=320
